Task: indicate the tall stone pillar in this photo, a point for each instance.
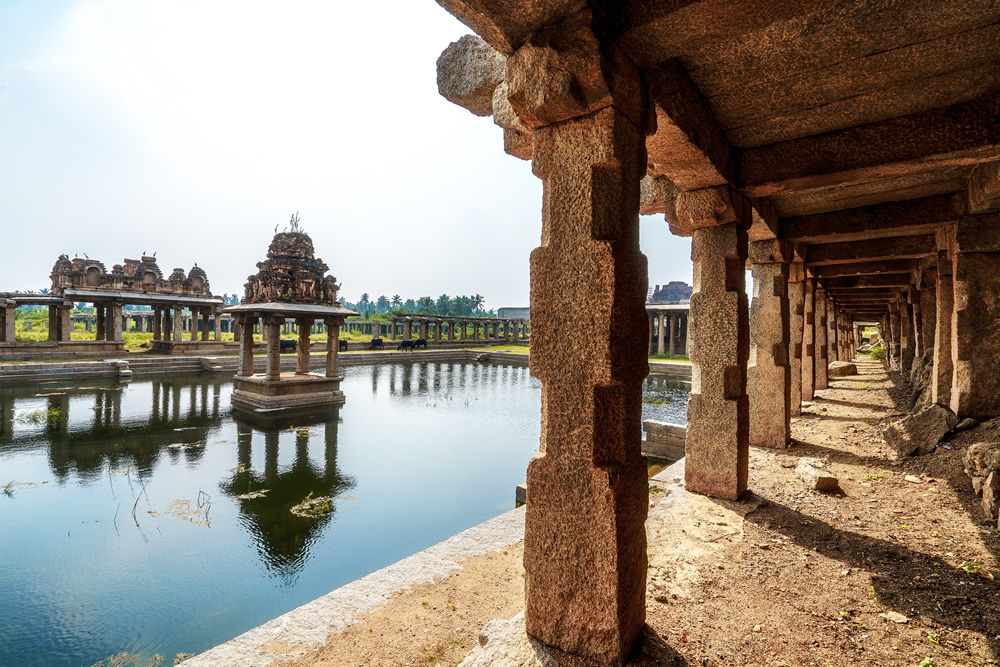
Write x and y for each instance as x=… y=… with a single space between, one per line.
x=943 y=307
x=101 y=324
x=246 y=326
x=406 y=329
x=894 y=324
x=178 y=323
x=975 y=331
x=304 y=325
x=819 y=332
x=475 y=330
x=392 y=329
x=423 y=329
x=451 y=329
x=831 y=331
x=193 y=327
x=796 y=318
x=273 y=325
x=65 y=324
x=217 y=327
x=10 y=323
x=906 y=344
x=333 y=347
x=769 y=375
x=718 y=410
x=205 y=315
x=116 y=320
x=585 y=560
x=809 y=340
x=661 y=333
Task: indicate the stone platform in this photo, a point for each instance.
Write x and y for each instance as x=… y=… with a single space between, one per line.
x=291 y=391
x=193 y=347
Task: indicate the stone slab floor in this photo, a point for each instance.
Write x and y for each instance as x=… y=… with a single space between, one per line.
x=788 y=576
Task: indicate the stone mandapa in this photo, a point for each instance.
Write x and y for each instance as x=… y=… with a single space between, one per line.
x=921 y=432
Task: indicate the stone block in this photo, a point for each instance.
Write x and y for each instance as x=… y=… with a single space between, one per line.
x=991 y=494
x=838 y=369
x=663 y=440
x=921 y=432
x=984 y=188
x=816 y=475
x=468 y=71
x=770 y=251
x=978 y=233
x=508 y=643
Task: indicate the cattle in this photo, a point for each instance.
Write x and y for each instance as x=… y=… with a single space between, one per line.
x=406 y=345
x=376 y=344
x=342 y=345
x=420 y=342
x=287 y=345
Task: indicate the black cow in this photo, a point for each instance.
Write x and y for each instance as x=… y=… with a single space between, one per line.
x=406 y=345
x=287 y=345
x=376 y=344
x=420 y=342
x=342 y=345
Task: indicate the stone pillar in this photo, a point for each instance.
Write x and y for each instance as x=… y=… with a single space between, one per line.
x=302 y=361
x=673 y=322
x=769 y=376
x=475 y=330
x=274 y=325
x=205 y=315
x=406 y=329
x=585 y=560
x=796 y=319
x=65 y=324
x=819 y=333
x=392 y=330
x=246 y=346
x=661 y=333
x=718 y=410
x=975 y=330
x=167 y=324
x=101 y=324
x=217 y=327
x=906 y=341
x=116 y=320
x=178 y=323
x=943 y=307
x=831 y=331
x=451 y=330
x=332 y=347
x=423 y=329
x=193 y=326
x=10 y=323
x=894 y=325
x=809 y=340
x=237 y=330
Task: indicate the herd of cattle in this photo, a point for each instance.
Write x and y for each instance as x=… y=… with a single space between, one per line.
x=290 y=345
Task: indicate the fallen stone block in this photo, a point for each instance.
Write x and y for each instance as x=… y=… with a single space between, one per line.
x=663 y=440
x=920 y=433
x=507 y=643
x=966 y=424
x=991 y=495
x=816 y=475
x=839 y=369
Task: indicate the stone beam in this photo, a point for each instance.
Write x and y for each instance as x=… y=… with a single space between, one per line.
x=984 y=188
x=905 y=247
x=865 y=268
x=866 y=282
x=507 y=24
x=915 y=217
x=468 y=72
x=961 y=134
x=688 y=146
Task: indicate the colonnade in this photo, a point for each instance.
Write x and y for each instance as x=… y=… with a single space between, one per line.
x=668 y=329
x=168 y=323
x=475 y=329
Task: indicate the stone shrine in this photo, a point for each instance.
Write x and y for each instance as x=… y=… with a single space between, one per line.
x=291 y=283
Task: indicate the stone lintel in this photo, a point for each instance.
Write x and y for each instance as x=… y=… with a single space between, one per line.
x=507 y=24
x=764 y=223
x=654 y=194
x=887 y=280
x=773 y=251
x=915 y=217
x=905 y=247
x=865 y=268
x=978 y=233
x=468 y=71
x=961 y=134
x=984 y=188
x=688 y=147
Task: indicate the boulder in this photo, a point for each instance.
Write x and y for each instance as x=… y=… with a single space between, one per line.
x=839 y=369
x=982 y=465
x=468 y=72
x=920 y=433
x=966 y=424
x=816 y=475
x=507 y=643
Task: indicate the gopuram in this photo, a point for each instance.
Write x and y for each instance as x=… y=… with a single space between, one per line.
x=136 y=282
x=849 y=153
x=290 y=283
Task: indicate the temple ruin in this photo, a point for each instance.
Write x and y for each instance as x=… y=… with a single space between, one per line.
x=291 y=283
x=849 y=154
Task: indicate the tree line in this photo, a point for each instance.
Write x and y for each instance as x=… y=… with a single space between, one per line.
x=444 y=305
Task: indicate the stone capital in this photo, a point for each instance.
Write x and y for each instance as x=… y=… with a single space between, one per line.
x=796 y=272
x=772 y=251
x=984 y=188
x=563 y=71
x=708 y=207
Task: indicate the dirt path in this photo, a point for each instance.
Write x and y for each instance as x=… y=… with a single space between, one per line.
x=813 y=578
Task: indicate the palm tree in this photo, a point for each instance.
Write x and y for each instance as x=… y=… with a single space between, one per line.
x=397 y=301
x=425 y=303
x=477 y=301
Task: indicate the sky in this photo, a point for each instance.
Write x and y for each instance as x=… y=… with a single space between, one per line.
x=191 y=128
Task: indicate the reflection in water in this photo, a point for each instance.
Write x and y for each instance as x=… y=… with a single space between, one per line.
x=283 y=538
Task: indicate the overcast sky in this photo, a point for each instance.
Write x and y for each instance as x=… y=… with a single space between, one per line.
x=190 y=128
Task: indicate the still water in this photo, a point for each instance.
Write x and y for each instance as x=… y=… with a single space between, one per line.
x=149 y=518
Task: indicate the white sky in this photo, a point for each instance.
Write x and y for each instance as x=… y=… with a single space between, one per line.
x=192 y=127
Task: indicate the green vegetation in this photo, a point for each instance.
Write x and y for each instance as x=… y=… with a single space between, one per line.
x=313 y=507
x=877 y=353
x=670 y=357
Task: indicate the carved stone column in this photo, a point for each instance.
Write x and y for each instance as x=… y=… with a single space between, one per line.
x=809 y=341
x=906 y=334
x=10 y=323
x=944 y=306
x=406 y=329
x=796 y=320
x=99 y=316
x=332 y=347
x=116 y=322
x=894 y=324
x=65 y=324
x=217 y=327
x=178 y=323
x=769 y=373
x=273 y=325
x=585 y=541
x=302 y=360
x=246 y=326
x=821 y=359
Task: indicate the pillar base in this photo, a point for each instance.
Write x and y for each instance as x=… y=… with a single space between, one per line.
x=292 y=392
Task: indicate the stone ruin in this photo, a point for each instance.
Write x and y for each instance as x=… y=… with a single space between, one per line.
x=135 y=275
x=292 y=274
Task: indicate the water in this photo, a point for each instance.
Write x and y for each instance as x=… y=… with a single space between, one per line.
x=124 y=529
